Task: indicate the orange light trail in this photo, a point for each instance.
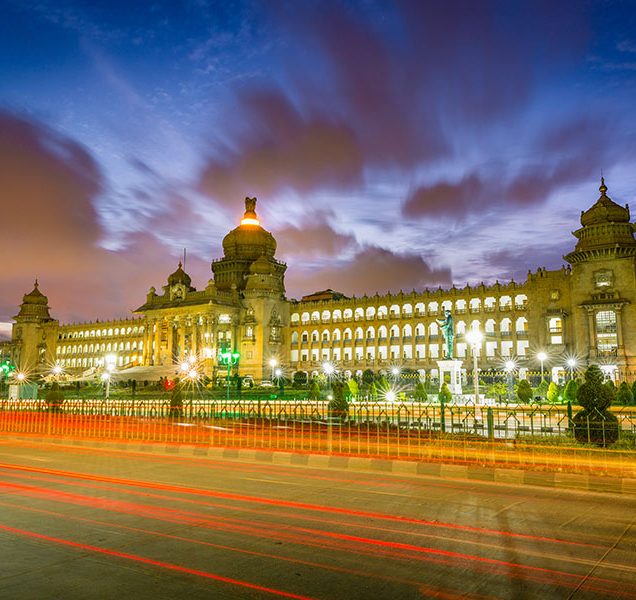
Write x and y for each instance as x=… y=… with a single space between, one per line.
x=288 y=504
x=327 y=567
x=310 y=537
x=150 y=561
x=286 y=515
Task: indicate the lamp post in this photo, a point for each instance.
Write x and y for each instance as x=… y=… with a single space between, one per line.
x=571 y=365
x=273 y=363
x=229 y=358
x=474 y=337
x=510 y=367
x=110 y=360
x=329 y=370
x=542 y=356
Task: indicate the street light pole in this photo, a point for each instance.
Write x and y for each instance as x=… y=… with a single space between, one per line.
x=542 y=356
x=474 y=338
x=510 y=366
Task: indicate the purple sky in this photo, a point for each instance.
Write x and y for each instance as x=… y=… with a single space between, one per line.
x=391 y=145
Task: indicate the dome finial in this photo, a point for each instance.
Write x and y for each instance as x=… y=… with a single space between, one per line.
x=603 y=187
x=35 y=285
x=250 y=218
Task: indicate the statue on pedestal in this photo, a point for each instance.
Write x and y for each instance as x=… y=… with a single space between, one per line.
x=446 y=325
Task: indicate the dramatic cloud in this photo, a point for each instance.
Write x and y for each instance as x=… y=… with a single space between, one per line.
x=282 y=149
x=371 y=270
x=566 y=155
x=314 y=237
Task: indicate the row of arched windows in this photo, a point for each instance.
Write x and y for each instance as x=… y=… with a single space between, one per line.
x=100 y=348
x=111 y=331
x=88 y=362
x=433 y=308
x=407 y=330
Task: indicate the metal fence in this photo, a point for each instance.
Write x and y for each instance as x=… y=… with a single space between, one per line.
x=538 y=436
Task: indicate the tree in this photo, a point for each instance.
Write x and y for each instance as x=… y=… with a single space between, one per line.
x=314 y=390
x=373 y=391
x=354 y=390
x=176 y=400
x=420 y=391
x=542 y=389
x=569 y=394
x=444 y=394
x=497 y=390
x=368 y=377
x=595 y=423
x=524 y=391
x=55 y=397
x=624 y=394
x=300 y=379
x=552 y=394
x=634 y=390
x=338 y=405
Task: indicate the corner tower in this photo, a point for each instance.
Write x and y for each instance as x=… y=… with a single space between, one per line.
x=34 y=332
x=604 y=284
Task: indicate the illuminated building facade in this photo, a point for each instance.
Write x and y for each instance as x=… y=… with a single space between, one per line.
x=585 y=312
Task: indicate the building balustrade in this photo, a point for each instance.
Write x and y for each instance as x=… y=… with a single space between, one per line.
x=347 y=319
x=522 y=335
x=433 y=337
x=460 y=311
x=395 y=339
x=505 y=307
x=474 y=310
x=420 y=338
x=490 y=309
x=505 y=334
x=382 y=340
x=407 y=339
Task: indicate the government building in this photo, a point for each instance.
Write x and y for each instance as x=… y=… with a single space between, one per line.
x=585 y=312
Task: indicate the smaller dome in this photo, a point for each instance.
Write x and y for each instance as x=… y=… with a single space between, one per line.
x=35 y=296
x=179 y=276
x=261 y=266
x=35 y=304
x=605 y=210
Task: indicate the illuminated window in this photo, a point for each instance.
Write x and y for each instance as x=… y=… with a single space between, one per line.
x=555 y=328
x=606 y=338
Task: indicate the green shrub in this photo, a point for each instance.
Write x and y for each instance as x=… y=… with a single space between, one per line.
x=569 y=394
x=55 y=397
x=314 y=390
x=524 y=391
x=176 y=399
x=624 y=394
x=420 y=392
x=595 y=424
x=552 y=395
x=338 y=405
x=444 y=394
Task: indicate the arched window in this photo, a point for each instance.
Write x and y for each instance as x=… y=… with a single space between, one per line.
x=382 y=312
x=370 y=313
x=337 y=315
x=407 y=310
x=395 y=331
x=370 y=333
x=336 y=335
x=325 y=316
x=358 y=314
x=407 y=331
x=294 y=337
x=382 y=332
x=314 y=336
x=305 y=317
x=358 y=335
x=325 y=335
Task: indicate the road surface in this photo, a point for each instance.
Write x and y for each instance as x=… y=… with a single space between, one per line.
x=77 y=522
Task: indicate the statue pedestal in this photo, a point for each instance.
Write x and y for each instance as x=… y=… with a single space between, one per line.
x=453 y=368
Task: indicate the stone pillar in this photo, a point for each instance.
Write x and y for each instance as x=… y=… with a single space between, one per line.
x=157 y=349
x=592 y=332
x=195 y=336
x=171 y=324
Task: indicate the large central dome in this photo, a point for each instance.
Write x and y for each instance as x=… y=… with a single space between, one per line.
x=249 y=241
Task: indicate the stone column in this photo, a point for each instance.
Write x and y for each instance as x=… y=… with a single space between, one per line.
x=157 y=349
x=195 y=336
x=592 y=332
x=171 y=324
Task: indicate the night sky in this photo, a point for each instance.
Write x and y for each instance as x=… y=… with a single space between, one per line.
x=391 y=145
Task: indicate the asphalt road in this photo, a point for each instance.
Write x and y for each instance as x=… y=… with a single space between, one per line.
x=80 y=523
